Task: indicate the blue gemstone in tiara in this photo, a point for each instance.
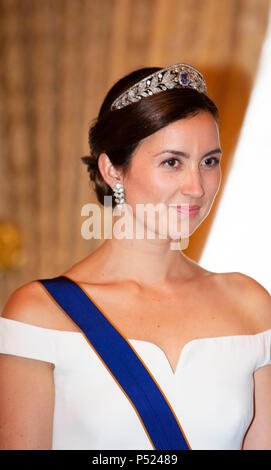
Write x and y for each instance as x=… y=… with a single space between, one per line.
x=184 y=78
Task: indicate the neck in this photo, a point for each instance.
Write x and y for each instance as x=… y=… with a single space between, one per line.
x=146 y=261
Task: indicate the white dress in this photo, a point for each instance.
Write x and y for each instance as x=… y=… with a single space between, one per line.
x=211 y=391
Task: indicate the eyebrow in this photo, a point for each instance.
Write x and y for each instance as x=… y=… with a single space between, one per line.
x=186 y=155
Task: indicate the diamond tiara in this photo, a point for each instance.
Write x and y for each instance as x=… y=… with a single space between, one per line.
x=175 y=76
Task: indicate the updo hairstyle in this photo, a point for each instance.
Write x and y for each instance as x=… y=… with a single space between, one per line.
x=118 y=132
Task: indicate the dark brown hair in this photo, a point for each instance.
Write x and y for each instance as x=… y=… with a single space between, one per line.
x=118 y=132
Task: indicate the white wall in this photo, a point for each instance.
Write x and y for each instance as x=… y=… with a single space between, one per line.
x=240 y=237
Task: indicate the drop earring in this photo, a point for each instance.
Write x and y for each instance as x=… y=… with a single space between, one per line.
x=119 y=194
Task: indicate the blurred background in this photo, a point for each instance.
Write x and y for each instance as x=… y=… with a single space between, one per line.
x=58 y=59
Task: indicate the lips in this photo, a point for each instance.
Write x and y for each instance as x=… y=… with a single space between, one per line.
x=186 y=209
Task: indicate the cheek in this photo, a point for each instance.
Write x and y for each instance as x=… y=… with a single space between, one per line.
x=213 y=182
x=144 y=186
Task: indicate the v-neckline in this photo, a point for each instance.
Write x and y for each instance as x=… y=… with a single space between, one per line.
x=161 y=351
x=186 y=346
x=193 y=341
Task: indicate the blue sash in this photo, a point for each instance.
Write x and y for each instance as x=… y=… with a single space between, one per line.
x=125 y=366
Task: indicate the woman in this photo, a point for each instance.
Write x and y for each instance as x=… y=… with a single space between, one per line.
x=200 y=339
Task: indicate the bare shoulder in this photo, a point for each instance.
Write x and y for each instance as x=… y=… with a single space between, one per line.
x=31 y=304
x=27 y=385
x=250 y=296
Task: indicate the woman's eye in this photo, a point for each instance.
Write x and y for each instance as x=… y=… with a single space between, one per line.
x=215 y=160
x=171 y=163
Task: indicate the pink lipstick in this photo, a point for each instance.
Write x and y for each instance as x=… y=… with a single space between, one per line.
x=187 y=210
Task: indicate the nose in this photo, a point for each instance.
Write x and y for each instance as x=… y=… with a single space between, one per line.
x=191 y=183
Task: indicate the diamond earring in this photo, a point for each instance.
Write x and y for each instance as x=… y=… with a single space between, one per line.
x=119 y=194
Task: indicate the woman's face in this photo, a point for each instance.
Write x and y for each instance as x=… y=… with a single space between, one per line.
x=179 y=164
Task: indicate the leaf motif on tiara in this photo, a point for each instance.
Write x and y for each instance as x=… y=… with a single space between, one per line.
x=124 y=101
x=154 y=85
x=141 y=87
x=132 y=96
x=195 y=82
x=168 y=80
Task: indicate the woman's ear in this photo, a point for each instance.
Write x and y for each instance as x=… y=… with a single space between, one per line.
x=108 y=171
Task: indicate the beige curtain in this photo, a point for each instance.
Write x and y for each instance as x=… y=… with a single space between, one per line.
x=58 y=58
